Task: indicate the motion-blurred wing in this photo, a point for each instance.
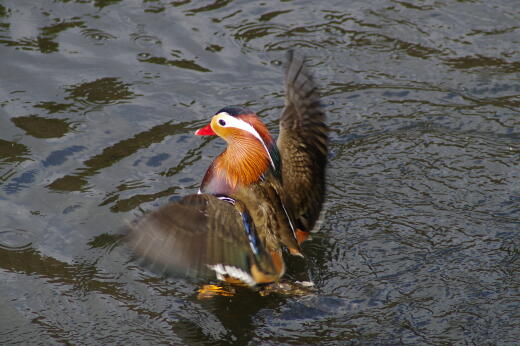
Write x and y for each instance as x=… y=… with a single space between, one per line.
x=303 y=145
x=201 y=235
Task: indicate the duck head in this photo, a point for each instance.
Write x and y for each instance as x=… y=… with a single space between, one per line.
x=251 y=151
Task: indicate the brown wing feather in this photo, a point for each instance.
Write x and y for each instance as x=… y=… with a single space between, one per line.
x=303 y=145
x=189 y=236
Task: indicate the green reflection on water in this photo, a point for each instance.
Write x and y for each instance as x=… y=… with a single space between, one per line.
x=41 y=127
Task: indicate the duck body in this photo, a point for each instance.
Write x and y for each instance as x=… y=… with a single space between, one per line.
x=256 y=198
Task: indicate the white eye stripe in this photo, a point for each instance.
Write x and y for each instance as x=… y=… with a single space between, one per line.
x=242 y=125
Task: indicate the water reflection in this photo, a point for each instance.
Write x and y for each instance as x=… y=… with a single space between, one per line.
x=11 y=152
x=58 y=157
x=41 y=127
x=180 y=63
x=419 y=243
x=78 y=276
x=98 y=35
x=102 y=91
x=22 y=181
x=54 y=107
x=114 y=153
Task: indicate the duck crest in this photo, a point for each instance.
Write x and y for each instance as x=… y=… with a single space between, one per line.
x=268 y=141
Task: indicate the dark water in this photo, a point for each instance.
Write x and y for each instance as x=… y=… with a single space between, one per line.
x=420 y=240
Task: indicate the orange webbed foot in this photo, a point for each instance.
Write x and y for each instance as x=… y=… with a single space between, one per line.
x=210 y=291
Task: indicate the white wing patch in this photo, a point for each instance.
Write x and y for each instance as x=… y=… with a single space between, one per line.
x=227 y=199
x=289 y=219
x=222 y=270
x=242 y=125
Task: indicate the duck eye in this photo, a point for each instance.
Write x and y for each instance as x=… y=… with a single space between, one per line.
x=221 y=122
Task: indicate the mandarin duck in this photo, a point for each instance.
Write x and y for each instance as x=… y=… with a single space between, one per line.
x=256 y=198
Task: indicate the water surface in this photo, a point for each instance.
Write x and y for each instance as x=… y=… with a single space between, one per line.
x=419 y=242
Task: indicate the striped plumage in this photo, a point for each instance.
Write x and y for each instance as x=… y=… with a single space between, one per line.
x=256 y=198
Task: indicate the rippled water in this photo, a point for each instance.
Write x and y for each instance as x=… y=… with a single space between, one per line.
x=420 y=240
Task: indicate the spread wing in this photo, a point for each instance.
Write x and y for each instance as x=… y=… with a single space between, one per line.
x=303 y=145
x=203 y=236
